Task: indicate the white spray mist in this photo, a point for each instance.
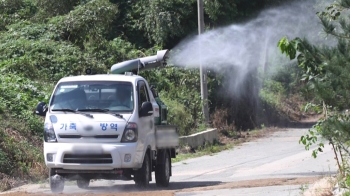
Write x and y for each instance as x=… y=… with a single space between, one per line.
x=248 y=46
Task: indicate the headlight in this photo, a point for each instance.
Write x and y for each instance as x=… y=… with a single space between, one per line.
x=130 y=133
x=49 y=133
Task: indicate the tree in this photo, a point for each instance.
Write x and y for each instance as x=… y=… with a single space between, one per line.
x=55 y=8
x=13 y=11
x=327 y=70
x=43 y=41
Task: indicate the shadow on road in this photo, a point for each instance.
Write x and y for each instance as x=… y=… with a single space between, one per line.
x=191 y=184
x=152 y=187
x=305 y=125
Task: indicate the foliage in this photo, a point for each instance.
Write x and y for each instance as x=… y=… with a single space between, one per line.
x=327 y=70
x=313 y=107
x=206 y=149
x=162 y=19
x=272 y=93
x=311 y=138
x=220 y=121
x=219 y=10
x=18 y=95
x=22 y=149
x=181 y=89
x=87 y=22
x=289 y=77
x=13 y=11
x=5 y=162
x=116 y=50
x=54 y=8
x=42 y=59
x=335 y=129
x=43 y=41
x=20 y=146
x=178 y=115
x=166 y=22
x=324 y=68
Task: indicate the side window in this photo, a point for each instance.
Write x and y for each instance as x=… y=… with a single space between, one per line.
x=154 y=91
x=143 y=93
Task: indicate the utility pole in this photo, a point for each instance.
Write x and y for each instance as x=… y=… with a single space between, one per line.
x=202 y=69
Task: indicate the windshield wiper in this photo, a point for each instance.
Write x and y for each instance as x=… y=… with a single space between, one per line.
x=107 y=111
x=74 y=111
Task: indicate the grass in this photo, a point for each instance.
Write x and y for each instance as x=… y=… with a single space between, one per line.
x=303 y=188
x=207 y=149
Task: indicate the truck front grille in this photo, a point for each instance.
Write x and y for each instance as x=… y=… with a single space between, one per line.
x=65 y=136
x=88 y=158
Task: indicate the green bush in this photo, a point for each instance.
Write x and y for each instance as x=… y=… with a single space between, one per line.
x=5 y=163
x=21 y=149
x=13 y=11
x=272 y=93
x=180 y=88
x=45 y=60
x=86 y=22
x=178 y=115
x=19 y=96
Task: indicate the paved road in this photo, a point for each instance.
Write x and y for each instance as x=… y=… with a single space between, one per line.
x=265 y=160
x=275 y=165
x=279 y=155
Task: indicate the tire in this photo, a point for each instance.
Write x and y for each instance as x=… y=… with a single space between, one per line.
x=142 y=175
x=56 y=182
x=83 y=183
x=162 y=172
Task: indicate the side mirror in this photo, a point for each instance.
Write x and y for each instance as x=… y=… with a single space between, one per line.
x=146 y=109
x=41 y=109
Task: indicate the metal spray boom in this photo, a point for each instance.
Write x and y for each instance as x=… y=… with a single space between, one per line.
x=140 y=64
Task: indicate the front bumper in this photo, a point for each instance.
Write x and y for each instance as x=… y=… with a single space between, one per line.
x=73 y=156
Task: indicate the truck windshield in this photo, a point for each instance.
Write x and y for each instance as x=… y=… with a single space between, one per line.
x=93 y=96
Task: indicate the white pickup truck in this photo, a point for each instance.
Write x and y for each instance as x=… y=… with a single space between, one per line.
x=104 y=127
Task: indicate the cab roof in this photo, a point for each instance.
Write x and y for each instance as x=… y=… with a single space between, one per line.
x=102 y=77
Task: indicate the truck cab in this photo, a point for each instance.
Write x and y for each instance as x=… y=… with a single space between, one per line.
x=103 y=127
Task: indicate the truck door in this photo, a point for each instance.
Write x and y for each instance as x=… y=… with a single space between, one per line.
x=146 y=124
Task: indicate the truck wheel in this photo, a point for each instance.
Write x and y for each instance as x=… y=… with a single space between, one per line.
x=162 y=172
x=56 y=182
x=142 y=175
x=83 y=184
